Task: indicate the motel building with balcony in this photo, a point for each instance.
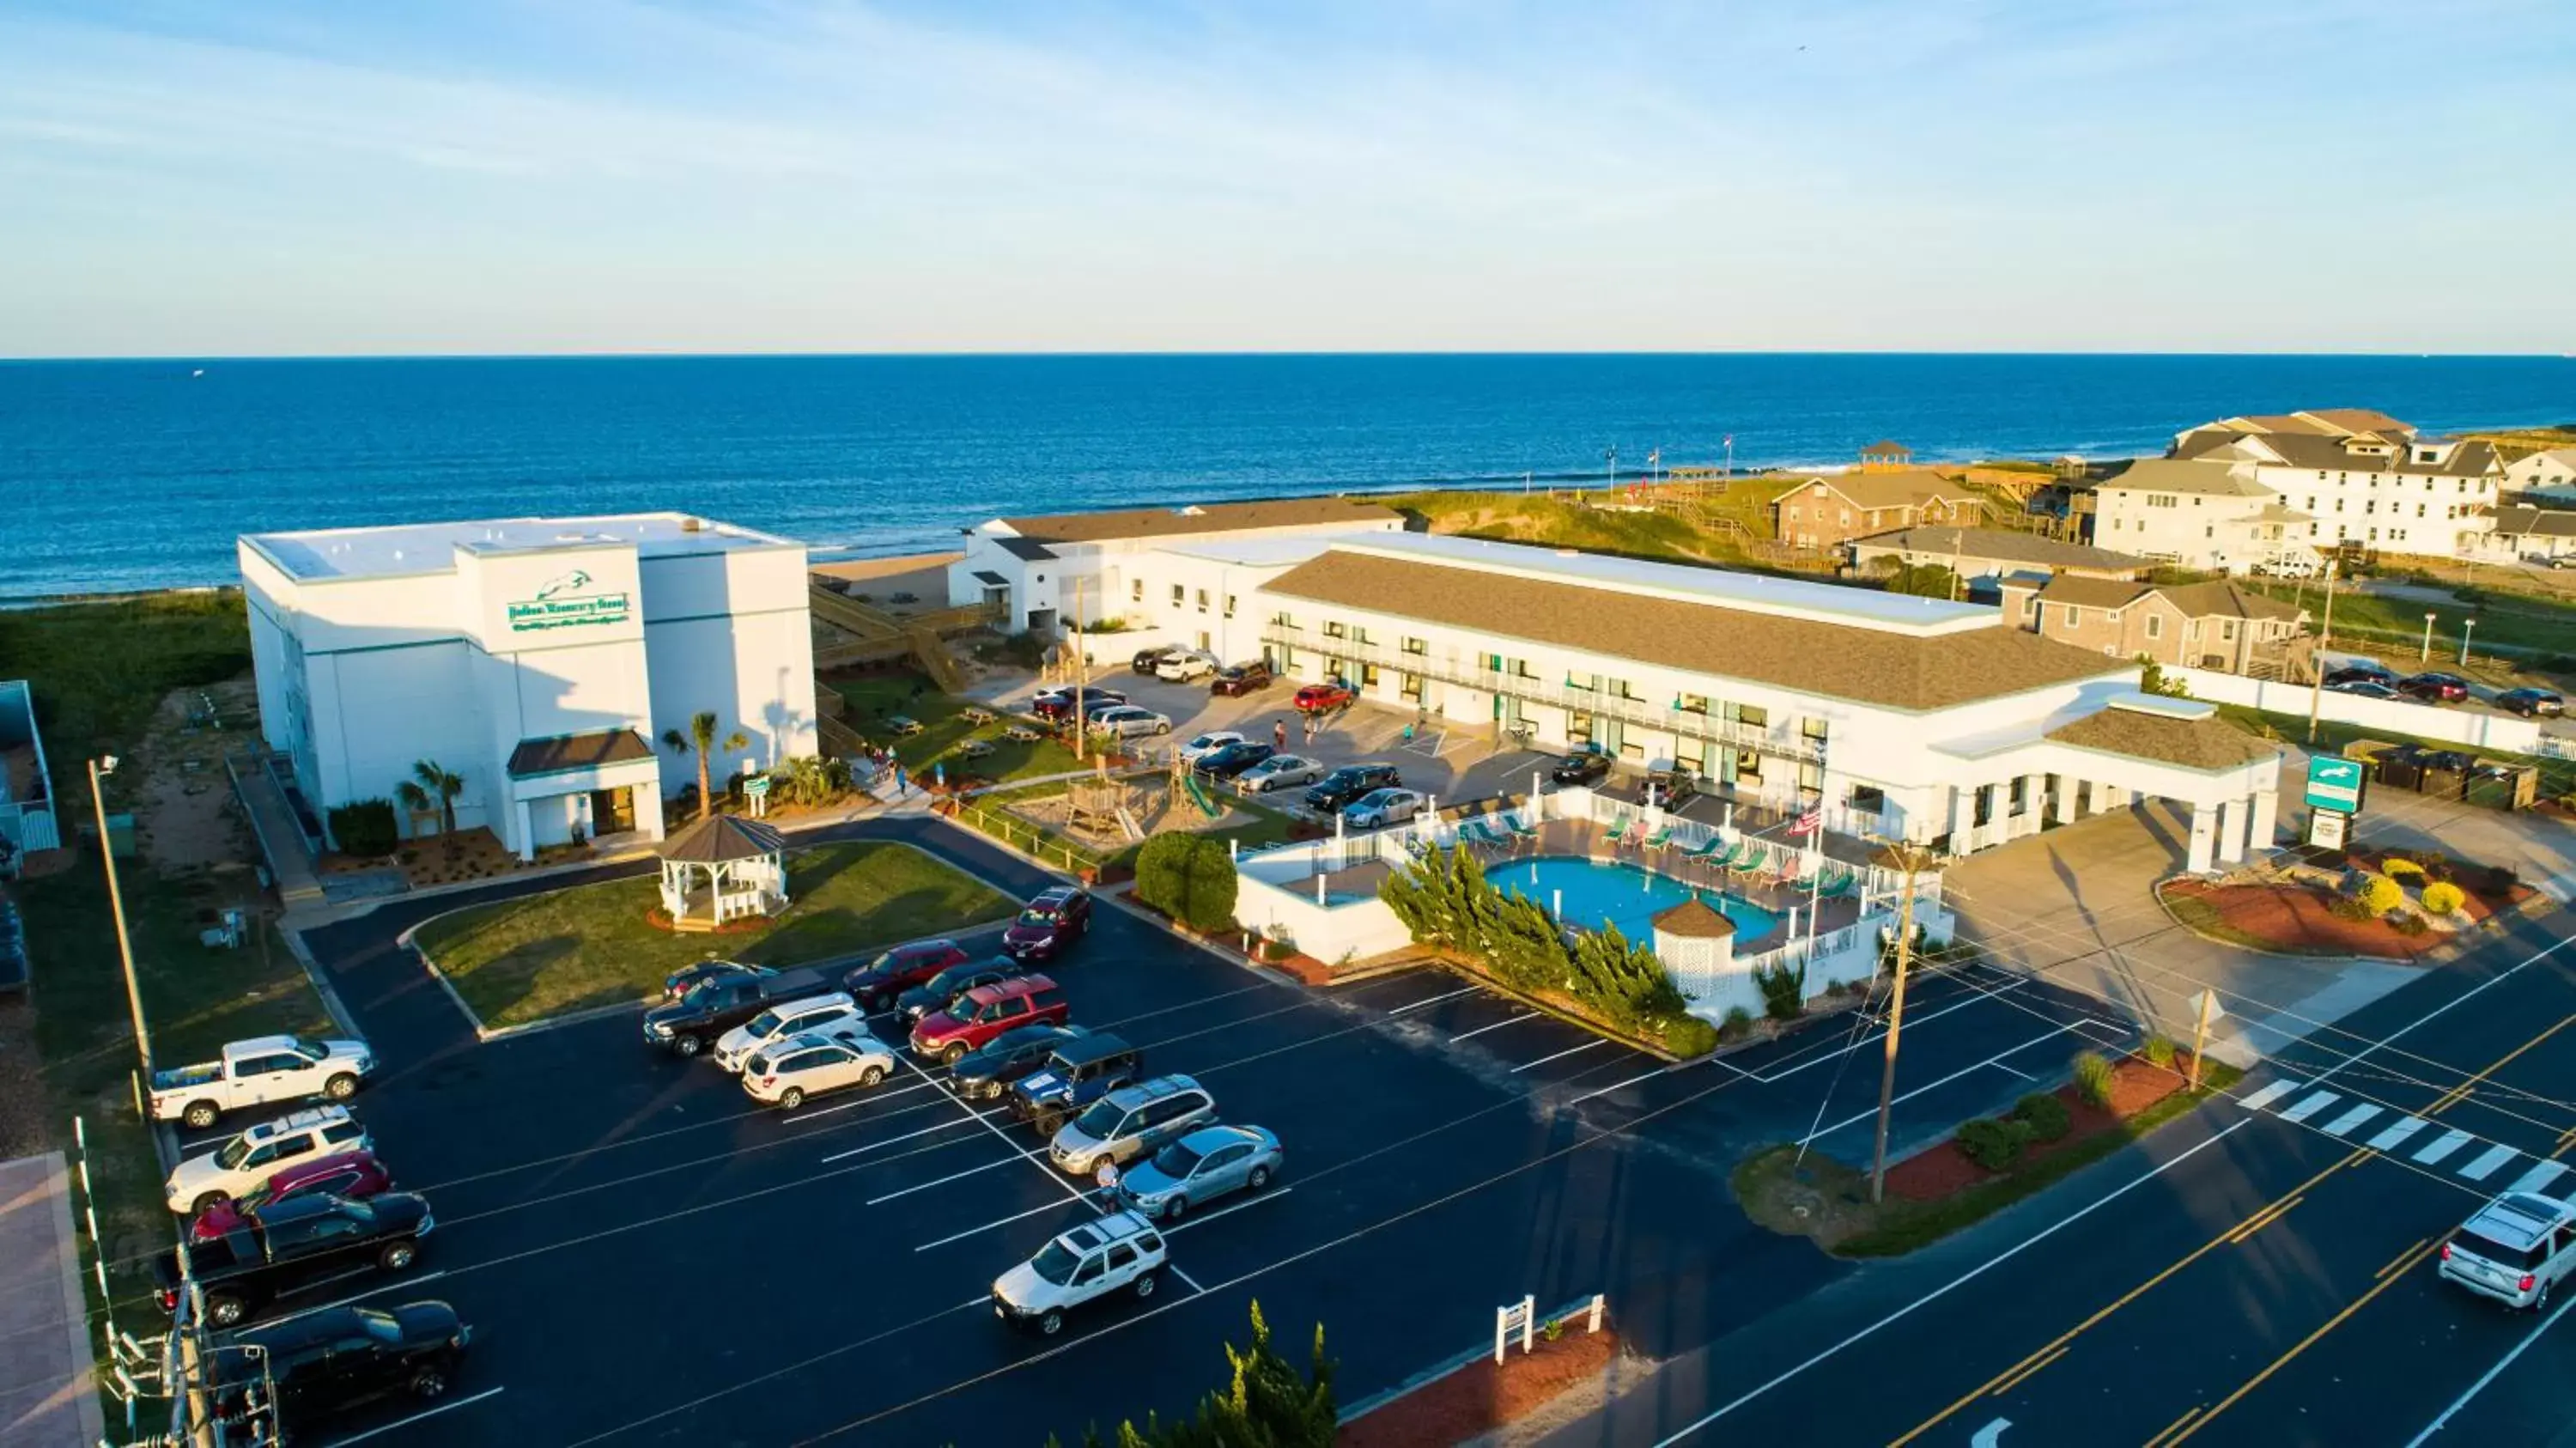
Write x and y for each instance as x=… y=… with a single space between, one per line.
x=1898 y=719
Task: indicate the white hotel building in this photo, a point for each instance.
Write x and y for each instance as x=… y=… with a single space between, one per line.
x=540 y=659
x=1904 y=717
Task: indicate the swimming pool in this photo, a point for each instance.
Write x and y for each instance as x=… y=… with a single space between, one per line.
x=1624 y=895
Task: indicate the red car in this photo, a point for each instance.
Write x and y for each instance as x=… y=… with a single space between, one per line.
x=877 y=983
x=1054 y=919
x=986 y=1012
x=1316 y=698
x=356 y=1175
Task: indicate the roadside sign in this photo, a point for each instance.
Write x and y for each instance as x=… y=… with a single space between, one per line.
x=2334 y=783
x=2205 y=1006
x=2326 y=828
x=756 y=786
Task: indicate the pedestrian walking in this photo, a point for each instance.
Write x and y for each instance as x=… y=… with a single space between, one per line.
x=902 y=786
x=1279 y=735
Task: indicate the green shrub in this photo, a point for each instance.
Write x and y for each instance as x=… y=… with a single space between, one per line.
x=1739 y=1024
x=2159 y=1051
x=1784 y=992
x=1189 y=878
x=2443 y=898
x=2045 y=1115
x=2349 y=907
x=1994 y=1145
x=1690 y=1036
x=2379 y=894
x=365 y=827
x=2407 y=922
x=2093 y=1078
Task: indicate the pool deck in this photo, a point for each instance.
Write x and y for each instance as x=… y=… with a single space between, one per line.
x=1581 y=839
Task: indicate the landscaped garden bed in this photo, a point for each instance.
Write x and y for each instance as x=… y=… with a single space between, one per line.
x=1987 y=1166
x=2366 y=903
x=518 y=961
x=1483 y=1396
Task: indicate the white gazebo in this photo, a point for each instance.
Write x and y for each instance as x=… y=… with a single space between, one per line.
x=720 y=869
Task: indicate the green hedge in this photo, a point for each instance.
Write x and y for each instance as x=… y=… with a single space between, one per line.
x=1188 y=877
x=365 y=827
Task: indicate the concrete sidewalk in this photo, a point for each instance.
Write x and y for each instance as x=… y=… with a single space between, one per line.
x=48 y=1395
x=272 y=823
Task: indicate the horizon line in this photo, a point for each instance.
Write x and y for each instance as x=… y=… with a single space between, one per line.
x=1095 y=354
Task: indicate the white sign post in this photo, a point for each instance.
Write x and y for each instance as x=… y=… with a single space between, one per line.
x=1516 y=1317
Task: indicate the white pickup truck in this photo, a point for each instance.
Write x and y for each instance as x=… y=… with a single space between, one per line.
x=257 y=1072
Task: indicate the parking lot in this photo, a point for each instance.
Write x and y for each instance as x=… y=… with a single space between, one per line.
x=646 y=1256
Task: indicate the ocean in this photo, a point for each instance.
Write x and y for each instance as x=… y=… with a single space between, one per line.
x=124 y=475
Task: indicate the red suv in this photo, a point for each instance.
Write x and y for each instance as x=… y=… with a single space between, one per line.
x=986 y=1012
x=877 y=983
x=1316 y=698
x=356 y=1175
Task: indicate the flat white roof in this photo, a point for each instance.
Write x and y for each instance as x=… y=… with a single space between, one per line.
x=1833 y=603
x=414 y=548
x=1252 y=552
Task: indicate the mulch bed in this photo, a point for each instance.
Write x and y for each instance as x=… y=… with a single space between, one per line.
x=1939 y=1171
x=2301 y=918
x=1481 y=1397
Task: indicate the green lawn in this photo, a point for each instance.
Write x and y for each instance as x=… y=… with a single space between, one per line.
x=519 y=961
x=1267 y=826
x=875 y=699
x=2518 y=621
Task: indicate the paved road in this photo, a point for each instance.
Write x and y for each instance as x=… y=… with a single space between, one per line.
x=2257 y=1274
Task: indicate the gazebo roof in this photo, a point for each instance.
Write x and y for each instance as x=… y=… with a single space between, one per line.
x=1693 y=919
x=718 y=839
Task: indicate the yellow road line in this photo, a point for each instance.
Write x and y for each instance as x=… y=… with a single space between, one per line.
x=2016 y=1379
x=2171 y=1428
x=2394 y=1273
x=2393 y=1262
x=2264 y=1218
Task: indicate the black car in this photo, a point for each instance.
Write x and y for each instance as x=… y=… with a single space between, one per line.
x=332 y=1359
x=2532 y=703
x=942 y=990
x=1079 y=1072
x=985 y=1074
x=1585 y=766
x=1051 y=921
x=692 y=1023
x=1348 y=783
x=1058 y=704
x=1227 y=761
x=296 y=1245
x=2360 y=674
x=1147 y=661
x=687 y=978
x=1249 y=678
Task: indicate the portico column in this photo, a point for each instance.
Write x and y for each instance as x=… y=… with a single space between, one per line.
x=527 y=832
x=2267 y=823
x=2204 y=833
x=2061 y=805
x=2034 y=800
x=2231 y=830
x=1963 y=814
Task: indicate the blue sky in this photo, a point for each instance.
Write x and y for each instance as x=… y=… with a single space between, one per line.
x=601 y=175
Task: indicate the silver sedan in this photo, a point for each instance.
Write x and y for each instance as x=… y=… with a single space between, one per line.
x=1200 y=1167
x=1279 y=771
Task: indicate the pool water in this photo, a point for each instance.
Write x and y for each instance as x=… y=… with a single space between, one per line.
x=1624 y=895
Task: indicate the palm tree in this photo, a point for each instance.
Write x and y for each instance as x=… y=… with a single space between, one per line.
x=430 y=781
x=701 y=741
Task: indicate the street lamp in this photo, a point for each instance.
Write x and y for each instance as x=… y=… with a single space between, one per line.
x=116 y=906
x=2467 y=627
x=2425 y=655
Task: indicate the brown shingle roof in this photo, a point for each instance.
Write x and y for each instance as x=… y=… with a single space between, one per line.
x=1206 y=518
x=577 y=751
x=2519 y=521
x=1843 y=661
x=1909 y=487
x=2176 y=475
x=1693 y=920
x=718 y=839
x=2005 y=543
x=2220 y=598
x=2205 y=744
x=2092 y=592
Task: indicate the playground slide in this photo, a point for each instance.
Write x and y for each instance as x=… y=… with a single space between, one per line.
x=1199 y=797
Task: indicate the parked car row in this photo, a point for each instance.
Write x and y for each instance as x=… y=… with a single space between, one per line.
x=2368 y=680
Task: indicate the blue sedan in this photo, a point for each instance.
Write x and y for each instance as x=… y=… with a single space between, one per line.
x=1200 y=1167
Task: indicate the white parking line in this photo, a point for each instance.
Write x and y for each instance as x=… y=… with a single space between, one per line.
x=383 y=1285
x=1180 y=1227
x=416 y=1417
x=1561 y=1055
x=1993 y=1060
x=952 y=1176
x=1624 y=1085
x=988 y=1226
x=2000 y=1066
x=1435 y=1000
x=1496 y=1026
x=1974 y=996
x=854 y=1103
x=891 y=1140
x=1184 y=1276
x=984 y=1120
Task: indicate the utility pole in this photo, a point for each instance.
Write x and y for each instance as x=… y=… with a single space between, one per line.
x=1913 y=858
x=116 y=908
x=2424 y=655
x=2317 y=665
x=2468 y=626
x=1081 y=676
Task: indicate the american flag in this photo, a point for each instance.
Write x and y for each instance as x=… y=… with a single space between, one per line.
x=1810 y=822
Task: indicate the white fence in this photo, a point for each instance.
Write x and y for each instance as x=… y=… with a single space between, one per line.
x=2397 y=716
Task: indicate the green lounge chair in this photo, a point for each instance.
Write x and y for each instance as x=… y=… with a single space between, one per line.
x=1525 y=831
x=1756 y=855
x=1704 y=848
x=1618 y=826
x=1662 y=838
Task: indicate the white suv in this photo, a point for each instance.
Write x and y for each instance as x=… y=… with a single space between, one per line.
x=784 y=1073
x=250 y=1159
x=1121 y=1250
x=2514 y=1249
x=787 y=1018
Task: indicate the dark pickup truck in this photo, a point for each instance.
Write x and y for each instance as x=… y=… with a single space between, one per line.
x=711 y=1008
x=294 y=1246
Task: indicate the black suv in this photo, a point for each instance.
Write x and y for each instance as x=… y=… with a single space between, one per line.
x=942 y=990
x=1584 y=766
x=1348 y=783
x=335 y=1358
x=1147 y=661
x=295 y=1245
x=692 y=1023
x=985 y=1074
x=1080 y=1072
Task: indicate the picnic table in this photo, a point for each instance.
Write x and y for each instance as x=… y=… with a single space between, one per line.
x=1021 y=734
x=904 y=725
x=976 y=715
x=974 y=749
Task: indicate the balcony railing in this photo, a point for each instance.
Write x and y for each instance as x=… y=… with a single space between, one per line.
x=1783 y=742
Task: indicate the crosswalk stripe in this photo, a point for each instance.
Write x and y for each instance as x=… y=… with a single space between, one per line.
x=2388 y=1139
x=2451 y=1141
x=2538 y=1177
x=2310 y=1105
x=2270 y=1094
x=2343 y=1125
x=2487 y=1162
